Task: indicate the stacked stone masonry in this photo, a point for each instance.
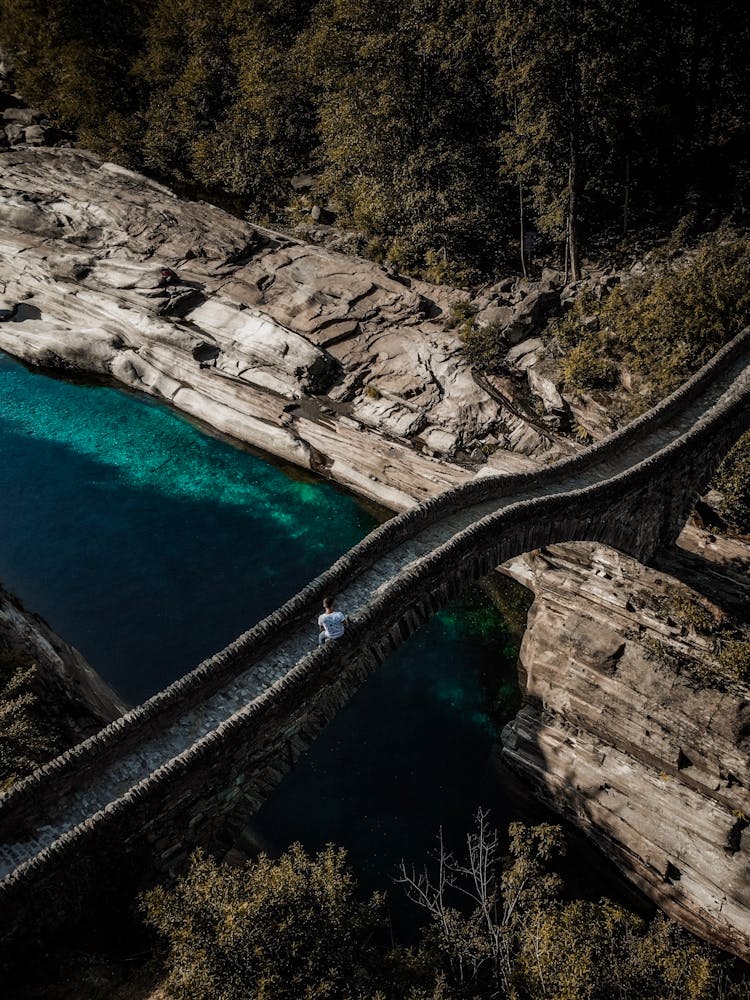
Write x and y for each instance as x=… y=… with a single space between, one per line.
x=217 y=741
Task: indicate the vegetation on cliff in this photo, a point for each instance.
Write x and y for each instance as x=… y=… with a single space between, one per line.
x=496 y=927
x=726 y=662
x=655 y=329
x=733 y=484
x=442 y=131
x=29 y=737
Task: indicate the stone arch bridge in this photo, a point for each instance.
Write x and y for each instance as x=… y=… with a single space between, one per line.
x=150 y=785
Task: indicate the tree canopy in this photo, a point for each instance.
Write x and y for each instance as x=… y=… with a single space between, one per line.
x=447 y=132
x=496 y=926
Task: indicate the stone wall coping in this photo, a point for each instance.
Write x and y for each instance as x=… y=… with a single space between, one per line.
x=238 y=654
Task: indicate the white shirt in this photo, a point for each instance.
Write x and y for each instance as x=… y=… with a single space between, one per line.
x=332 y=624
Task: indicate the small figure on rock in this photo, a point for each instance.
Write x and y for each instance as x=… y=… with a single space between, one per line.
x=332 y=623
x=168 y=277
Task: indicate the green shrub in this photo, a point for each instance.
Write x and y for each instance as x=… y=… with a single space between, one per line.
x=729 y=660
x=440 y=269
x=585 y=367
x=665 y=324
x=461 y=311
x=495 y=924
x=734 y=657
x=733 y=483
x=28 y=737
x=600 y=950
x=290 y=929
x=523 y=941
x=485 y=346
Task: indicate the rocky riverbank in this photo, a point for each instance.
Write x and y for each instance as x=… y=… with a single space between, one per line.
x=338 y=365
x=324 y=360
x=42 y=674
x=630 y=728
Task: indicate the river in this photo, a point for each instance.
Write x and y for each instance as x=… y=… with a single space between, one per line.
x=149 y=544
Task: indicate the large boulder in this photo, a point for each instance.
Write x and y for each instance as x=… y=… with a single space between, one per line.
x=21 y=116
x=537 y=307
x=525 y=318
x=324 y=216
x=501 y=316
x=34 y=135
x=557 y=411
x=15 y=134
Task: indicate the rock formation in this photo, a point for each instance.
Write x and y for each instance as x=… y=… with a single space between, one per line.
x=70 y=689
x=622 y=732
x=325 y=360
x=21 y=125
x=338 y=365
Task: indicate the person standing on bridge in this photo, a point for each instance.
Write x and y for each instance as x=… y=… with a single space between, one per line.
x=332 y=623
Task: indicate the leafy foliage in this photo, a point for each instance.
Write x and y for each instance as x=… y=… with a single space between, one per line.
x=662 y=326
x=228 y=105
x=440 y=129
x=497 y=927
x=600 y=950
x=576 y=94
x=587 y=367
x=290 y=929
x=732 y=480
x=28 y=738
x=520 y=940
x=484 y=345
x=728 y=658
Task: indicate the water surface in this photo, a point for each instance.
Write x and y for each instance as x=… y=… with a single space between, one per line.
x=150 y=544
x=142 y=540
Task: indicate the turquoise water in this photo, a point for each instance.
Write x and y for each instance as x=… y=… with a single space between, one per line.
x=144 y=542
x=149 y=545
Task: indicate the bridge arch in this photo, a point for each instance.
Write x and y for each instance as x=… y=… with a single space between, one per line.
x=151 y=784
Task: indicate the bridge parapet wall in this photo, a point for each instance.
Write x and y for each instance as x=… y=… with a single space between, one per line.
x=65 y=771
x=180 y=802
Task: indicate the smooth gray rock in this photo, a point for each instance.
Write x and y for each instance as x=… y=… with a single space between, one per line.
x=654 y=768
x=82 y=242
x=546 y=390
x=15 y=134
x=34 y=135
x=529 y=346
x=325 y=216
x=302 y=182
x=21 y=116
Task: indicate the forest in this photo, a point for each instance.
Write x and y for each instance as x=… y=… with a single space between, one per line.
x=496 y=923
x=456 y=141
x=456 y=137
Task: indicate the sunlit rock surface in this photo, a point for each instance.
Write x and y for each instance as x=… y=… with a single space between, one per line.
x=323 y=359
x=652 y=764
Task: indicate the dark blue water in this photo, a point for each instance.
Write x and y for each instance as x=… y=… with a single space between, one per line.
x=410 y=752
x=144 y=542
x=149 y=545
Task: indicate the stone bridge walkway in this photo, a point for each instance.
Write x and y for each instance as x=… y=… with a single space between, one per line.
x=53 y=804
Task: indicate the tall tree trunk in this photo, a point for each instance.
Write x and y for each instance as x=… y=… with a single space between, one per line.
x=575 y=272
x=521 y=235
x=626 y=200
x=696 y=55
